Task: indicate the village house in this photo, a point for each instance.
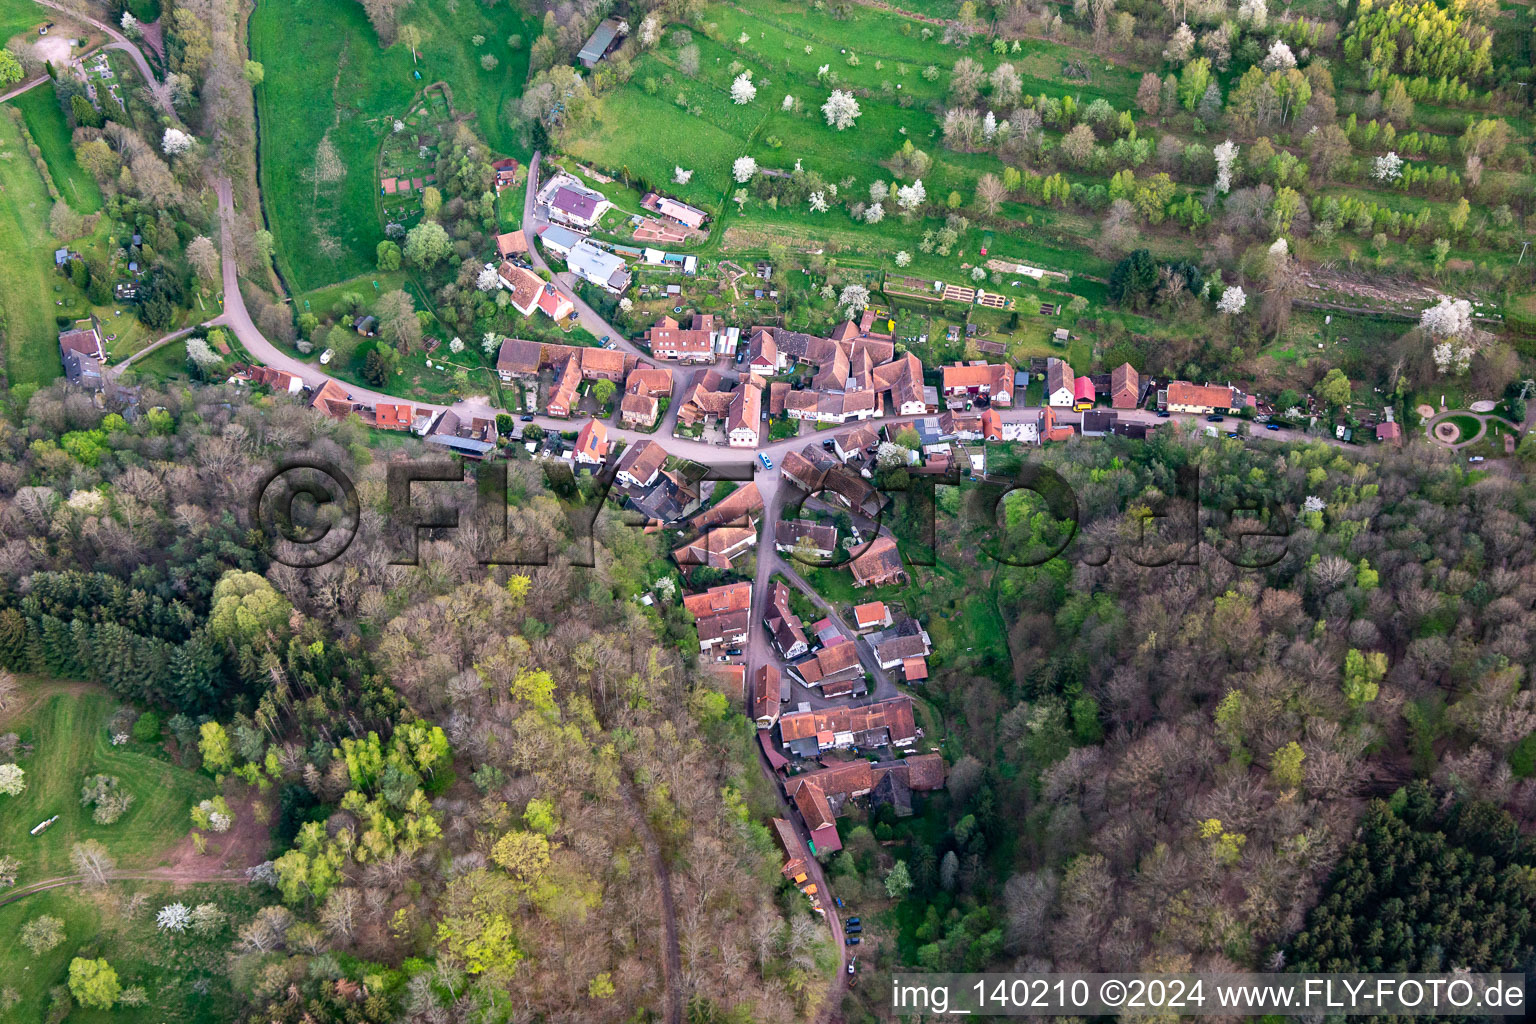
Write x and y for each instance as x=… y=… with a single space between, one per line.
x=1050 y=430
x=835 y=663
x=672 y=209
x=640 y=405
x=743 y=507
x=518 y=358
x=1060 y=385
x=721 y=614
x=474 y=438
x=562 y=398
x=695 y=344
x=963 y=381
x=852 y=443
x=82 y=352
x=816 y=540
x=331 y=399
x=524 y=284
x=592 y=444
x=641 y=464
x=511 y=243
x=670 y=498
x=744 y=416
x=558 y=241
x=601 y=267
x=715 y=548
x=822 y=795
x=830 y=407
x=874 y=615
x=879 y=565
x=503 y=174
x=763 y=358
x=901 y=644
x=816 y=472
x=883 y=723
x=603 y=364
x=765 y=696
x=1124 y=387
x=280 y=381
x=902 y=379
x=783 y=625
x=394 y=416
x=573 y=203
x=706 y=400
x=1182 y=396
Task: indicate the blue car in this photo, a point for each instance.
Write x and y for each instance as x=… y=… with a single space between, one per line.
x=765 y=460
x=1272 y=426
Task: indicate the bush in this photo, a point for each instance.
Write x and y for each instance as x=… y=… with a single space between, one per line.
x=147 y=728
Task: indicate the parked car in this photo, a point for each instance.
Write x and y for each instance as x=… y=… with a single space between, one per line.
x=1163 y=414
x=765 y=460
x=1271 y=426
x=827 y=444
x=853 y=929
x=1231 y=433
x=1475 y=458
x=525 y=419
x=853 y=920
x=724 y=657
x=852 y=940
x=604 y=340
x=734 y=652
x=851 y=964
x=1215 y=417
x=838 y=900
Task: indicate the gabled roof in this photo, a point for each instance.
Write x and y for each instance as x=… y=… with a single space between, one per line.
x=519 y=356
x=592 y=441
x=823 y=536
x=332 y=399
x=765 y=691
x=394 y=415
x=1058 y=375
x=602 y=362
x=1213 y=396
x=643 y=459
x=526 y=286
x=869 y=614
x=716 y=547
x=576 y=202
x=738 y=508
x=1083 y=390
x=746 y=409
x=829 y=662
x=993 y=376
x=1124 y=379
x=733 y=597
x=880 y=560
x=649 y=380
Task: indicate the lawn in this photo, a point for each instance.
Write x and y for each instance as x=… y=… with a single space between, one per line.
x=67 y=731
x=27 y=277
x=45 y=120
x=170 y=968
x=327 y=225
x=19 y=16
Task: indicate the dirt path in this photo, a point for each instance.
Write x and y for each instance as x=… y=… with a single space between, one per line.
x=174 y=875
x=672 y=960
x=35 y=690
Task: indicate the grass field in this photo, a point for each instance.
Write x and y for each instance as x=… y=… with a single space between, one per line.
x=327 y=230
x=26 y=265
x=45 y=120
x=67 y=731
x=18 y=16
x=167 y=966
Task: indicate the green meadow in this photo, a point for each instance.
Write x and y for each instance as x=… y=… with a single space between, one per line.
x=328 y=79
x=45 y=120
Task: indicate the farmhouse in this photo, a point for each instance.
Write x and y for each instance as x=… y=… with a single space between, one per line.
x=694 y=344
x=850 y=444
x=331 y=399
x=707 y=399
x=524 y=284
x=744 y=417
x=599 y=266
x=554 y=305
x=883 y=723
x=897 y=644
x=968 y=380
x=602 y=364
x=563 y=396
x=721 y=614
x=1182 y=396
x=743 y=507
x=280 y=381
x=765 y=696
x=830 y=407
x=837 y=663
x=803 y=535
x=783 y=625
x=393 y=416
x=1060 y=385
x=879 y=565
x=903 y=379
x=518 y=358
x=763 y=356
x=641 y=464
